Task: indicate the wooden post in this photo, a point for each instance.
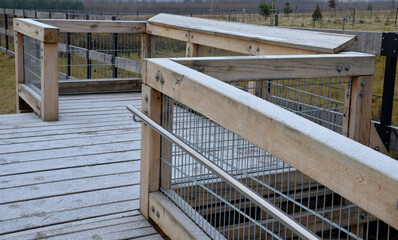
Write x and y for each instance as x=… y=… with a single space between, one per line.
x=21 y=105
x=360 y=109
x=147 y=46
x=49 y=81
x=192 y=50
x=150 y=148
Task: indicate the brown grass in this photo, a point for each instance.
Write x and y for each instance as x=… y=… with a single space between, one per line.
x=7 y=84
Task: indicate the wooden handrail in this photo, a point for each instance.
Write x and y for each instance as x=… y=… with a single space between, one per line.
x=363 y=176
x=96 y=26
x=37 y=30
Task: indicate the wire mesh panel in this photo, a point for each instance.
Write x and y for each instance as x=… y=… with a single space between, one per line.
x=320 y=100
x=167 y=47
x=94 y=55
x=32 y=63
x=223 y=212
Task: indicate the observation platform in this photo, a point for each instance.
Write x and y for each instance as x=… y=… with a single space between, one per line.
x=77 y=178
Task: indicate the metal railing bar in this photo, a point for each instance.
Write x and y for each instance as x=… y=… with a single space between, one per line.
x=300 y=230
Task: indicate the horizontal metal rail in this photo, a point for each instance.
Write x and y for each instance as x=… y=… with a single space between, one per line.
x=296 y=227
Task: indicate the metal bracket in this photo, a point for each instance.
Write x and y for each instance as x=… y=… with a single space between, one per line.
x=389 y=44
x=136 y=120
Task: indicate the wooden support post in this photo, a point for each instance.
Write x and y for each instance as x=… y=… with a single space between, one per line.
x=147 y=46
x=192 y=50
x=347 y=103
x=49 y=81
x=150 y=147
x=21 y=105
x=360 y=109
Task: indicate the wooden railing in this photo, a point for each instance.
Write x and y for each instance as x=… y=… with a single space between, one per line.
x=360 y=174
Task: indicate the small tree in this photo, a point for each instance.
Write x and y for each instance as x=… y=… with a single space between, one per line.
x=264 y=9
x=287 y=9
x=317 y=15
x=370 y=7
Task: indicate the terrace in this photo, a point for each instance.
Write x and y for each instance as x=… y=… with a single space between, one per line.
x=231 y=131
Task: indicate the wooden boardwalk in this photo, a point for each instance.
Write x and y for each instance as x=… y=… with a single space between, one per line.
x=77 y=178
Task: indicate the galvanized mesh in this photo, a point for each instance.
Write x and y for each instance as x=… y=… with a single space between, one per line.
x=93 y=55
x=224 y=213
x=320 y=100
x=32 y=63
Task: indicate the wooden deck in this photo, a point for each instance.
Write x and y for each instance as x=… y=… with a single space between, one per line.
x=77 y=178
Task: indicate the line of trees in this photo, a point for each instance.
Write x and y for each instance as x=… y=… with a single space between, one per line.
x=43 y=4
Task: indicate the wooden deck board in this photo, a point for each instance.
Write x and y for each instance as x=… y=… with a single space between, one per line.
x=76 y=178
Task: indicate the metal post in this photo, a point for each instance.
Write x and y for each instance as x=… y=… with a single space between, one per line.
x=68 y=54
x=343 y=22
x=6 y=28
x=389 y=48
x=115 y=49
x=88 y=52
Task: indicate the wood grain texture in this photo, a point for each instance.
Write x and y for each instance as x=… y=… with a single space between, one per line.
x=295 y=39
x=30 y=97
x=370 y=178
x=37 y=30
x=96 y=26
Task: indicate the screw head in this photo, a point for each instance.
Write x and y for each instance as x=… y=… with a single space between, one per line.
x=363 y=215
x=161 y=80
x=157 y=77
x=363 y=84
x=347 y=68
x=146 y=111
x=361 y=94
x=157 y=214
x=339 y=69
x=146 y=98
x=377 y=148
x=153 y=208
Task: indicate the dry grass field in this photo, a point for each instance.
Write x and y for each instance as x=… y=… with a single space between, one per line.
x=7 y=84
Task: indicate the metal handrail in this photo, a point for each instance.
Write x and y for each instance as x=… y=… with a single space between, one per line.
x=262 y=203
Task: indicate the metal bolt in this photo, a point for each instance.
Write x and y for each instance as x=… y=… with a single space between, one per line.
x=377 y=148
x=201 y=69
x=17 y=24
x=250 y=47
x=347 y=68
x=161 y=80
x=363 y=215
x=186 y=35
x=339 y=69
x=37 y=32
x=153 y=208
x=146 y=111
x=361 y=94
x=157 y=77
x=363 y=84
x=348 y=95
x=193 y=197
x=146 y=98
x=258 y=49
x=157 y=214
x=192 y=36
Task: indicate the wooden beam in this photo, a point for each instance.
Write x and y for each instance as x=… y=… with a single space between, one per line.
x=356 y=172
x=97 y=26
x=21 y=105
x=99 y=85
x=375 y=141
x=178 y=34
x=192 y=50
x=30 y=97
x=150 y=148
x=173 y=222
x=249 y=68
x=208 y=30
x=37 y=30
x=49 y=81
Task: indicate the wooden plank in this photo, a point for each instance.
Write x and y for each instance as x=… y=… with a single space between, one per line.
x=30 y=97
x=99 y=85
x=248 y=68
x=21 y=105
x=360 y=109
x=375 y=141
x=150 y=148
x=37 y=30
x=192 y=50
x=322 y=154
x=97 y=26
x=49 y=82
x=173 y=222
x=169 y=32
x=296 y=39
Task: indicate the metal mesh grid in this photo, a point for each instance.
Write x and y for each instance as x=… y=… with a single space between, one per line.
x=218 y=208
x=32 y=63
x=92 y=56
x=320 y=100
x=167 y=47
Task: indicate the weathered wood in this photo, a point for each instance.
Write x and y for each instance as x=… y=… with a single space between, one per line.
x=192 y=50
x=30 y=97
x=360 y=109
x=37 y=30
x=21 y=105
x=97 y=26
x=150 y=148
x=290 y=38
x=375 y=141
x=230 y=69
x=173 y=222
x=322 y=154
x=99 y=85
x=49 y=81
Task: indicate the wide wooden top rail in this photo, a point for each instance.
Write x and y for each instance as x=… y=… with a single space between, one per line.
x=356 y=172
x=97 y=26
x=248 y=68
x=37 y=30
x=283 y=41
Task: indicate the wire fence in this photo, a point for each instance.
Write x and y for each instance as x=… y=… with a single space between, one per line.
x=223 y=212
x=32 y=63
